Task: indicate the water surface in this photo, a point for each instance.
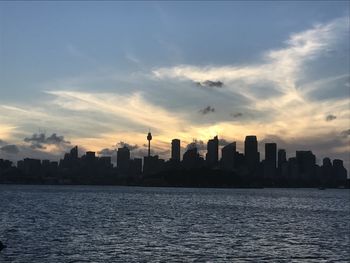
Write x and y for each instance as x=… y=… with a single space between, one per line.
x=132 y=224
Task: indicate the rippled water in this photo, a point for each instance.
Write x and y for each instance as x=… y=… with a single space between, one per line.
x=131 y=224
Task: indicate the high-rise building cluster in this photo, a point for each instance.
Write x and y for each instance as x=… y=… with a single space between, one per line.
x=274 y=170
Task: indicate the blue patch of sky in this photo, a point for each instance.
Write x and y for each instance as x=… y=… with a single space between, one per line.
x=46 y=41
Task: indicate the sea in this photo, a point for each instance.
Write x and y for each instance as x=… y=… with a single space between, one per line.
x=145 y=224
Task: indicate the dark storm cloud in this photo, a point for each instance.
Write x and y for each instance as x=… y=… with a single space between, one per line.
x=207 y=110
x=330 y=117
x=199 y=144
x=107 y=152
x=236 y=115
x=345 y=133
x=38 y=141
x=10 y=149
x=210 y=84
x=129 y=146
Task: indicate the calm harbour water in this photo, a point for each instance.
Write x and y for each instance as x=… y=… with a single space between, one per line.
x=132 y=224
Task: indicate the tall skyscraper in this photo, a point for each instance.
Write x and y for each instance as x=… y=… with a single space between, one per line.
x=123 y=159
x=175 y=150
x=270 y=160
x=74 y=153
x=270 y=154
x=191 y=159
x=212 y=157
x=282 y=157
x=306 y=163
x=251 y=152
x=228 y=156
x=339 y=171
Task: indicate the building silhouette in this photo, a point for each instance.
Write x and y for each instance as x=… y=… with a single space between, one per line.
x=191 y=159
x=74 y=153
x=123 y=159
x=326 y=170
x=234 y=169
x=251 y=152
x=228 y=154
x=135 y=167
x=90 y=158
x=270 y=160
x=339 y=171
x=271 y=154
x=306 y=161
x=175 y=150
x=281 y=158
x=212 y=156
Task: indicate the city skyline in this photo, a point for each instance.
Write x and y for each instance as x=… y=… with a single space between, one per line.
x=212 y=152
x=231 y=169
x=86 y=74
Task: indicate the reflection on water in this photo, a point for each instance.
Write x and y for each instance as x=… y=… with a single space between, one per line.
x=129 y=224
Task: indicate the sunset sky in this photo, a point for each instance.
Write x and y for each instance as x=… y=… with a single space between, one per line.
x=100 y=74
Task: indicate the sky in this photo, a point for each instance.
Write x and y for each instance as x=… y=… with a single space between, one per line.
x=100 y=75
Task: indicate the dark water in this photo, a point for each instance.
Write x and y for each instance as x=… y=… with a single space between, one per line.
x=127 y=224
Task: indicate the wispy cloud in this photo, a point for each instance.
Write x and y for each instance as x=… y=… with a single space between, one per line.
x=280 y=70
x=133 y=107
x=281 y=67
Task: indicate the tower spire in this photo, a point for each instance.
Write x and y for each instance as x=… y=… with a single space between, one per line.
x=149 y=138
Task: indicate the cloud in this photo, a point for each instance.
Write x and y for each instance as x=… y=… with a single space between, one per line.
x=207 y=110
x=223 y=142
x=281 y=68
x=2 y=142
x=129 y=146
x=40 y=141
x=133 y=108
x=330 y=117
x=140 y=153
x=90 y=118
x=209 y=84
x=10 y=149
x=107 y=152
x=345 y=133
x=199 y=144
x=113 y=152
x=236 y=115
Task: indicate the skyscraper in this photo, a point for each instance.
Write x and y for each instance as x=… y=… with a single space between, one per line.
x=228 y=156
x=123 y=159
x=212 y=156
x=339 y=171
x=270 y=160
x=251 y=152
x=175 y=150
x=74 y=153
x=306 y=163
x=282 y=157
x=270 y=154
x=191 y=159
x=90 y=157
